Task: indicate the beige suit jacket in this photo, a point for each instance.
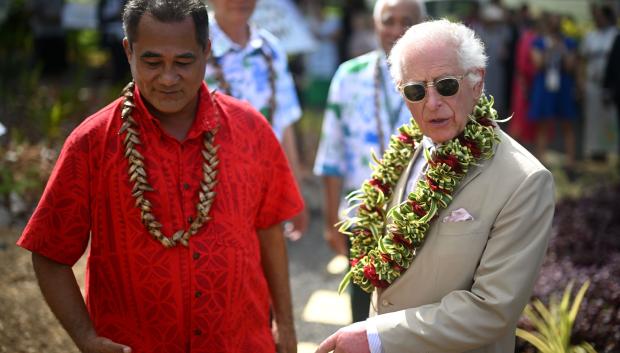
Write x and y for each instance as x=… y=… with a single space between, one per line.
x=470 y=281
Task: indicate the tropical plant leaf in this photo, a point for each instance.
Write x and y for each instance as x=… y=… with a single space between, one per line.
x=553 y=324
x=536 y=340
x=577 y=301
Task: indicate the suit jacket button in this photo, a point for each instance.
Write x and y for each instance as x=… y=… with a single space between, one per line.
x=384 y=302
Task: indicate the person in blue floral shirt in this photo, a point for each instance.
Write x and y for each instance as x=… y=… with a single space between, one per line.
x=364 y=109
x=248 y=63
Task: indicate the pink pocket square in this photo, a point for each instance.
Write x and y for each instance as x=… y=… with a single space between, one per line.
x=458 y=215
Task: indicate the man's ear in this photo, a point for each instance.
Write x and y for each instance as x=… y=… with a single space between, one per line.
x=207 y=50
x=479 y=86
x=397 y=84
x=127 y=48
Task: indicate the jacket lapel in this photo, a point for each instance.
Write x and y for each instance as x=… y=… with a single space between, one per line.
x=471 y=175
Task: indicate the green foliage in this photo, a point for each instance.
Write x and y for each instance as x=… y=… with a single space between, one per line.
x=39 y=109
x=553 y=325
x=24 y=168
x=35 y=107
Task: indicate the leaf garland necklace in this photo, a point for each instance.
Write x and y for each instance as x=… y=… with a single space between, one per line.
x=225 y=85
x=381 y=252
x=138 y=176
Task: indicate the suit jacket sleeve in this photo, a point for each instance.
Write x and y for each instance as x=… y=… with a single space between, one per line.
x=467 y=319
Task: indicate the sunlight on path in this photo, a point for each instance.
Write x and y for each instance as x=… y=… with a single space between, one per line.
x=328 y=307
x=338 y=265
x=305 y=347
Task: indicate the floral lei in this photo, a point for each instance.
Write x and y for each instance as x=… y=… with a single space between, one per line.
x=381 y=252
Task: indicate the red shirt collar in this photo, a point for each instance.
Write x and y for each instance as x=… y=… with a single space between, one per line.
x=204 y=120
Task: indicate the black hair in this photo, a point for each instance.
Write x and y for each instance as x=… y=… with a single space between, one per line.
x=609 y=15
x=166 y=11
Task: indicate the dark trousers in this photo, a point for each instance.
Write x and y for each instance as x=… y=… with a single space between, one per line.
x=360 y=303
x=360 y=300
x=618 y=116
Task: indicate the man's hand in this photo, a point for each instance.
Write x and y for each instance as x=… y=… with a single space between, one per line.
x=336 y=240
x=298 y=225
x=62 y=293
x=285 y=338
x=97 y=344
x=349 y=339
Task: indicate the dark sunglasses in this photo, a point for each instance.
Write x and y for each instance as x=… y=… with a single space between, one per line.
x=416 y=91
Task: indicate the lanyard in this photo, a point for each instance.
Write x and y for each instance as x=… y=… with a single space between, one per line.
x=393 y=114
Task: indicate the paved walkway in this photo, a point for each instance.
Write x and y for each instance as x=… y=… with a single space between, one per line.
x=315 y=275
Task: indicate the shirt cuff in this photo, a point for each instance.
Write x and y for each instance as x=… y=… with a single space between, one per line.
x=374 y=341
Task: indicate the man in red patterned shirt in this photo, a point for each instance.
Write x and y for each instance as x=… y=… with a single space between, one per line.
x=181 y=193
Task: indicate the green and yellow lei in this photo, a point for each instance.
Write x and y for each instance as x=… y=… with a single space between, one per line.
x=381 y=252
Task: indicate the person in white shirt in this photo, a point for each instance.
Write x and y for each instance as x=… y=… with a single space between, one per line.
x=248 y=63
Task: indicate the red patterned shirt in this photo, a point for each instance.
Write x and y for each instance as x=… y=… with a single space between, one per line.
x=209 y=297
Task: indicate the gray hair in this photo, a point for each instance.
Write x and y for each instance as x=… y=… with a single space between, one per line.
x=376 y=13
x=469 y=48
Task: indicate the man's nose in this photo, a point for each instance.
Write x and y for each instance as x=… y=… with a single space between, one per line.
x=169 y=77
x=433 y=99
x=398 y=29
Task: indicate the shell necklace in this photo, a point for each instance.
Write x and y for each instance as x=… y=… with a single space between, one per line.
x=138 y=176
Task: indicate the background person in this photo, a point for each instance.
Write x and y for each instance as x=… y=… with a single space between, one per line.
x=50 y=38
x=521 y=128
x=611 y=82
x=248 y=63
x=600 y=131
x=552 y=98
x=321 y=63
x=110 y=24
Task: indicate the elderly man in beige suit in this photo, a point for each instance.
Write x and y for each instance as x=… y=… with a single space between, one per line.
x=454 y=222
